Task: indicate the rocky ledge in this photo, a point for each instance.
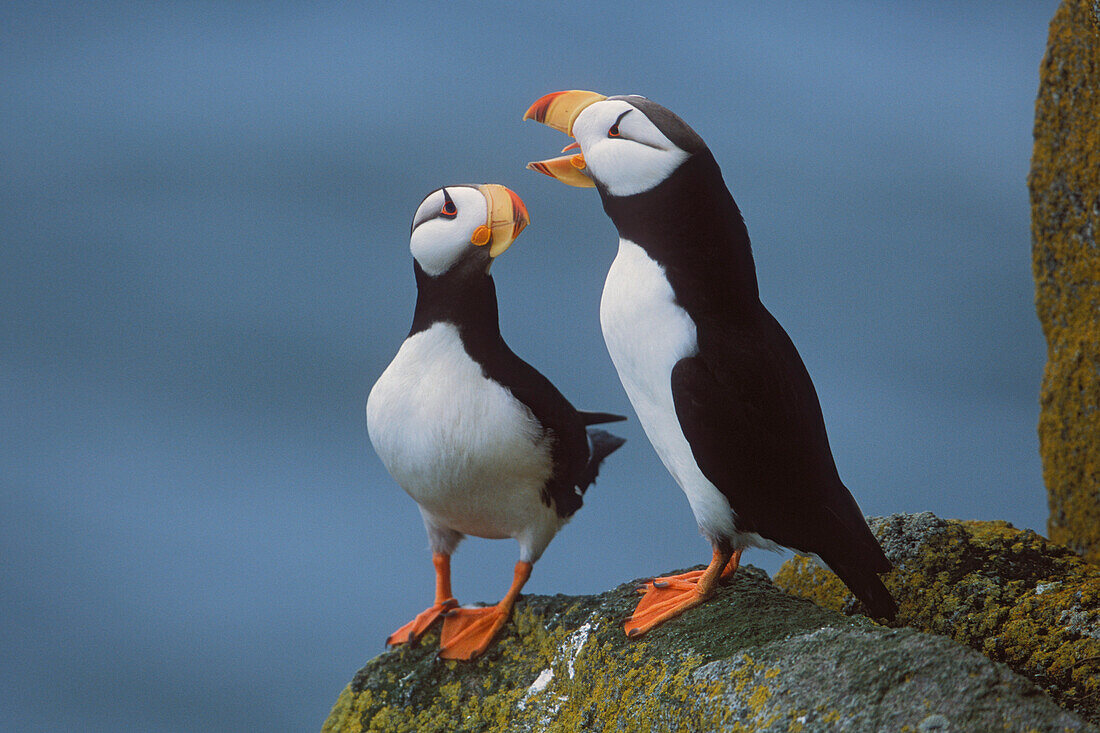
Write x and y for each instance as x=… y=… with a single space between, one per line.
x=1008 y=593
x=753 y=658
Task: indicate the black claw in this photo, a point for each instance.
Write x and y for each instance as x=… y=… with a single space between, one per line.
x=660 y=583
x=633 y=632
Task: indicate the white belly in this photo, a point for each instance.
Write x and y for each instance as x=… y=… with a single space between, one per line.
x=647 y=332
x=471 y=455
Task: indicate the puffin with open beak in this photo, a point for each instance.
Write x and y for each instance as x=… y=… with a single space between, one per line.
x=483 y=443
x=716 y=382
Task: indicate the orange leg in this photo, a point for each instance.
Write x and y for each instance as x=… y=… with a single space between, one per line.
x=667 y=597
x=467 y=632
x=444 y=601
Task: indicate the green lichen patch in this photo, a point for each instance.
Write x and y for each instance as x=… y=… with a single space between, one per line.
x=1007 y=593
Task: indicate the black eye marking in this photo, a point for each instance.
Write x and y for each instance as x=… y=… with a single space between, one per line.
x=449 y=210
x=614 y=130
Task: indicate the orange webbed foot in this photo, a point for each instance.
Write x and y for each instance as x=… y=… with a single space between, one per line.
x=668 y=597
x=444 y=601
x=663 y=598
x=468 y=632
x=413 y=630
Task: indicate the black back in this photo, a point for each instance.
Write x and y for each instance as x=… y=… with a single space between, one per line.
x=466 y=297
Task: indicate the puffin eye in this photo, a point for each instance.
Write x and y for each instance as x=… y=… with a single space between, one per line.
x=449 y=210
x=614 y=130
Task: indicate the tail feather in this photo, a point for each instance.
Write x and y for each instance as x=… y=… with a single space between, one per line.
x=868 y=588
x=598 y=418
x=601 y=444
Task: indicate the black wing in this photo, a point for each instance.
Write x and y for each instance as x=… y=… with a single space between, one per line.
x=569 y=443
x=751 y=415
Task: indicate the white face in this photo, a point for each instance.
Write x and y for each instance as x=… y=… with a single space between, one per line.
x=623 y=150
x=442 y=229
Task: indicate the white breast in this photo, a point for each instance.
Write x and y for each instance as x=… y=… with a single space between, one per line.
x=471 y=455
x=647 y=332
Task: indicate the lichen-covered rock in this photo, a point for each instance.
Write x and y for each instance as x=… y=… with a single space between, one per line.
x=1065 y=220
x=1008 y=593
x=825 y=679
x=751 y=658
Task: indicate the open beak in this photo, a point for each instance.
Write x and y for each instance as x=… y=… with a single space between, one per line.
x=560 y=110
x=506 y=217
x=569 y=169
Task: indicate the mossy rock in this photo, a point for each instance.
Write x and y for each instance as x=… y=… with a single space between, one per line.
x=751 y=658
x=1065 y=222
x=1008 y=593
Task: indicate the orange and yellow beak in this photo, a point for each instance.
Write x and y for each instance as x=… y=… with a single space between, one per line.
x=560 y=110
x=506 y=217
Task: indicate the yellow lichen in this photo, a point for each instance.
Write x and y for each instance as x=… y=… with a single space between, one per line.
x=759 y=696
x=347 y=712
x=801 y=576
x=596 y=689
x=1065 y=212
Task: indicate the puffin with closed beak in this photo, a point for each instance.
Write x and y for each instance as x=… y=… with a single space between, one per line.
x=483 y=443
x=716 y=382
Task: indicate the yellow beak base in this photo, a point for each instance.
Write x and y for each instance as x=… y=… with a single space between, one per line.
x=506 y=217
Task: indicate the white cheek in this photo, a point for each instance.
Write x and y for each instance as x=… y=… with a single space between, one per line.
x=626 y=168
x=434 y=247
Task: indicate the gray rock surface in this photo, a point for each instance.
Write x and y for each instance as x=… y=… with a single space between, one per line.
x=1008 y=593
x=883 y=680
x=751 y=658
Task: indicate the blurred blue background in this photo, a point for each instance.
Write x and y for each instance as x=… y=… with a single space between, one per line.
x=205 y=214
